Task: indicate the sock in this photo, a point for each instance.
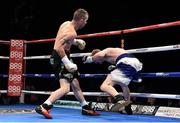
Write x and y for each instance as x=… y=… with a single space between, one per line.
x=47 y=102
x=83 y=103
x=46 y=106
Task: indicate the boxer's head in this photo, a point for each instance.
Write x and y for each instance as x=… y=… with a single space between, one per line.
x=81 y=16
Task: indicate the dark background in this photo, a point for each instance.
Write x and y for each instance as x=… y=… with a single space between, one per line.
x=40 y=19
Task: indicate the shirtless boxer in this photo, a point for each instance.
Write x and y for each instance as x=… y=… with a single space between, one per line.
x=65 y=70
x=127 y=69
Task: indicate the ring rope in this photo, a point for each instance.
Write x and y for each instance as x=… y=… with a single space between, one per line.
x=109 y=33
x=145 y=95
x=155 y=49
x=157 y=74
x=4 y=57
x=125 y=31
x=118 y=32
x=139 y=50
x=153 y=75
x=4 y=42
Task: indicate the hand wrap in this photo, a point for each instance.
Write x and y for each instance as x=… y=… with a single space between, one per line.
x=71 y=67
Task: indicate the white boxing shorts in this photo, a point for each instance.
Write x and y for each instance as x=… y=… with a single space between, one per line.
x=128 y=68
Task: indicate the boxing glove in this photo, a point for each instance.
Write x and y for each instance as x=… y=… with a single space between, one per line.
x=71 y=67
x=87 y=59
x=81 y=44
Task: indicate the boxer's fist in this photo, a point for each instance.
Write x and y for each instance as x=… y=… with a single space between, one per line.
x=81 y=44
x=71 y=67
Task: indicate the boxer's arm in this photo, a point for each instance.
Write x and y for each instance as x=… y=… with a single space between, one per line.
x=97 y=58
x=71 y=67
x=59 y=41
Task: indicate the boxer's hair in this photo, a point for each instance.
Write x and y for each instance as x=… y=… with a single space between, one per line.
x=79 y=14
x=95 y=51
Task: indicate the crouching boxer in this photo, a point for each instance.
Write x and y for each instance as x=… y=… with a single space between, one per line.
x=127 y=68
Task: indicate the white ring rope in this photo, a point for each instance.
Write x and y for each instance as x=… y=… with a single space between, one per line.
x=37 y=57
x=140 y=50
x=162 y=96
x=4 y=57
x=146 y=95
x=155 y=49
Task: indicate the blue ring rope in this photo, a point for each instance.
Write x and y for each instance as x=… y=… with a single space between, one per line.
x=145 y=75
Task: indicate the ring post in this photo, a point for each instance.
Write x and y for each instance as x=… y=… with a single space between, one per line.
x=15 y=68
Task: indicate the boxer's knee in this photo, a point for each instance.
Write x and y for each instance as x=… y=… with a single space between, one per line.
x=103 y=87
x=66 y=89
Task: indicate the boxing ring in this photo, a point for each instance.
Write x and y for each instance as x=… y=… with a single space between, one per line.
x=18 y=75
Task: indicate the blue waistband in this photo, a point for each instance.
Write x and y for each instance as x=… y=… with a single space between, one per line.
x=123 y=56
